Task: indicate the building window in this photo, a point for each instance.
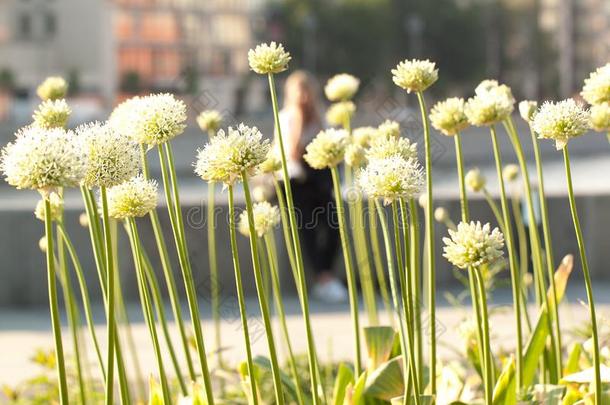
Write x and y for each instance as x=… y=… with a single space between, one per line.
x=50 y=24
x=24 y=26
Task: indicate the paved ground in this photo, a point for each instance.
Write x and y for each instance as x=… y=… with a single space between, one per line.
x=23 y=331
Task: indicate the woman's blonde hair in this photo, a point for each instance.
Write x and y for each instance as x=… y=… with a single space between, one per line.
x=301 y=80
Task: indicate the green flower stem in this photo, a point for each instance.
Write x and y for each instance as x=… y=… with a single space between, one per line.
x=512 y=259
x=240 y=297
x=361 y=250
x=170 y=187
x=587 y=276
x=145 y=300
x=459 y=157
x=548 y=248
x=286 y=232
x=296 y=244
x=379 y=270
x=402 y=334
x=110 y=303
x=97 y=245
x=157 y=299
x=168 y=274
x=407 y=288
x=78 y=269
x=489 y=367
x=53 y=306
x=349 y=268
x=416 y=276
x=494 y=209
x=535 y=243
x=262 y=298
x=431 y=269
x=215 y=289
x=271 y=250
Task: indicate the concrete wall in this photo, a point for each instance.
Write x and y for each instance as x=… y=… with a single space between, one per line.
x=23 y=273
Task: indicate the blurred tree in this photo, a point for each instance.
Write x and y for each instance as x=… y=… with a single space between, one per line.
x=368 y=37
x=74 y=86
x=130 y=82
x=7 y=80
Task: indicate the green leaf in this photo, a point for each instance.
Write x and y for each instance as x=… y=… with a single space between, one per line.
x=379 y=343
x=572 y=397
x=548 y=394
x=355 y=395
x=287 y=382
x=573 y=363
x=425 y=400
x=345 y=377
x=387 y=380
x=505 y=389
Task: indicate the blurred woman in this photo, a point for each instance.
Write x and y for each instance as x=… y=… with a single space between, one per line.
x=311 y=189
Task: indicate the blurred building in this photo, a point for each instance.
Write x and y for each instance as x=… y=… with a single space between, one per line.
x=109 y=47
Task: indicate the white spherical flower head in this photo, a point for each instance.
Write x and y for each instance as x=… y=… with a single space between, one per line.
x=491 y=104
x=52 y=114
x=473 y=245
x=272 y=163
x=415 y=75
x=111 y=157
x=441 y=215
x=355 y=155
x=326 y=150
x=391 y=178
x=600 y=117
x=389 y=129
x=510 y=172
x=362 y=136
x=561 y=121
x=158 y=118
x=134 y=198
x=209 y=120
x=475 y=180
x=527 y=109
x=42 y=159
x=122 y=117
x=383 y=147
x=448 y=116
x=341 y=87
x=228 y=154
x=57 y=207
x=53 y=88
x=339 y=114
x=266 y=217
x=597 y=87
x=268 y=58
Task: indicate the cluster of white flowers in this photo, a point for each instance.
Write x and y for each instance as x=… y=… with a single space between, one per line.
x=268 y=58
x=150 y=120
x=362 y=136
x=415 y=75
x=326 y=150
x=473 y=245
x=600 y=117
x=561 y=121
x=510 y=172
x=475 y=180
x=52 y=114
x=43 y=159
x=339 y=114
x=209 y=120
x=111 y=157
x=341 y=87
x=597 y=87
x=389 y=129
x=448 y=116
x=228 y=154
x=391 y=178
x=492 y=103
x=266 y=217
x=355 y=155
x=272 y=163
x=57 y=207
x=53 y=88
x=382 y=147
x=527 y=109
x=134 y=198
